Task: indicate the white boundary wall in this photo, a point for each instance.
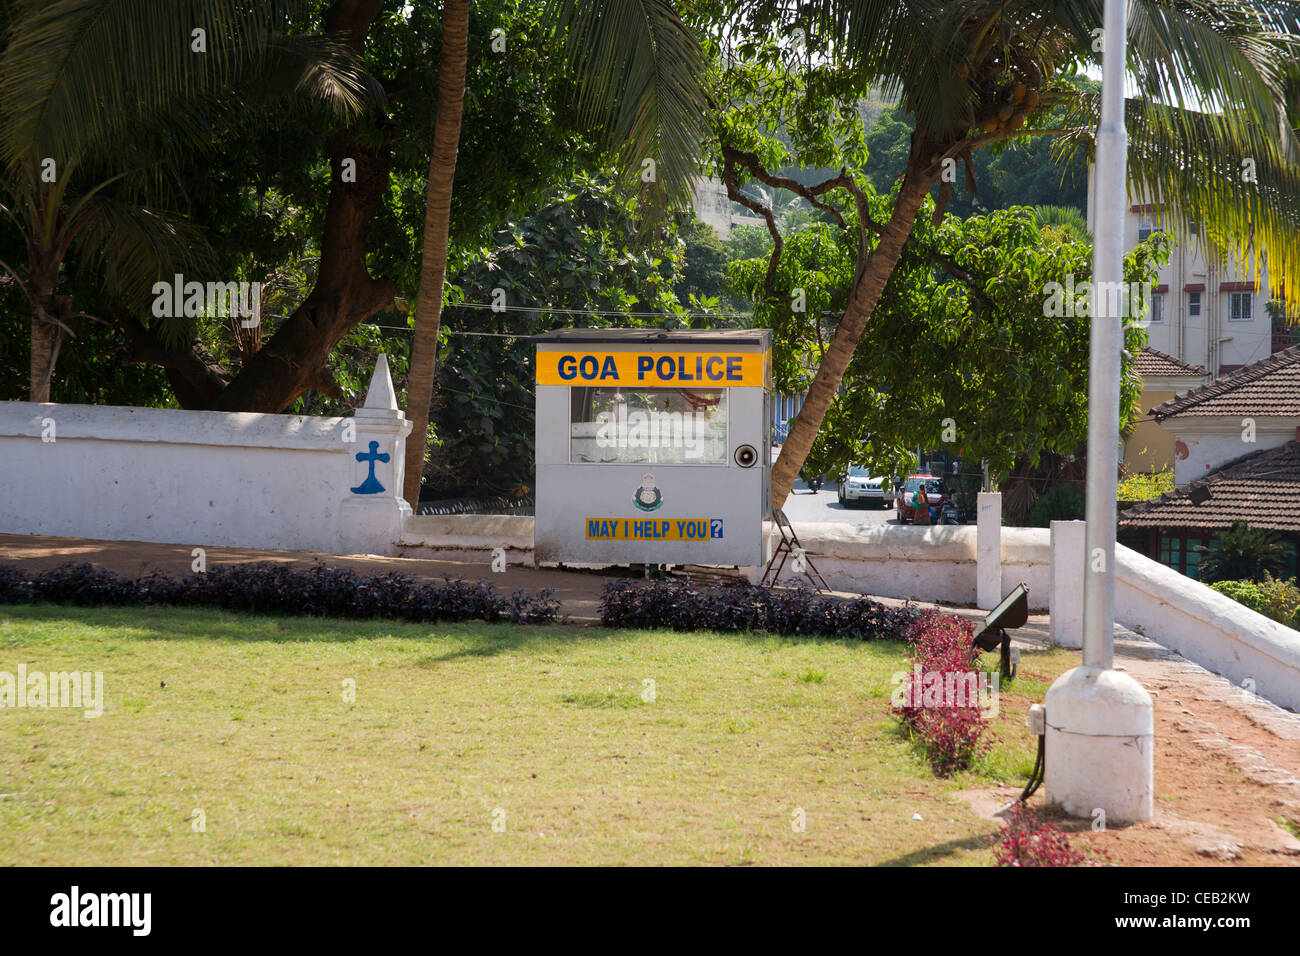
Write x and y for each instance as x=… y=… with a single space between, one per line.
x=212 y=479
x=925 y=563
x=1198 y=622
x=206 y=479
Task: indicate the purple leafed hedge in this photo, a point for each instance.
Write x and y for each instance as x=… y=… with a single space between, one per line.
x=279 y=589
x=679 y=606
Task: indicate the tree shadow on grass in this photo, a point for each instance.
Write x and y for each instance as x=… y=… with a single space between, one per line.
x=469 y=639
x=168 y=623
x=938 y=852
x=474 y=639
x=518 y=637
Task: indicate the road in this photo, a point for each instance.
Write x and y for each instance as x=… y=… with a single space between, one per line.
x=824 y=505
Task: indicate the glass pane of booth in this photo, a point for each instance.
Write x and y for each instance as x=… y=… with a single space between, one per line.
x=671 y=426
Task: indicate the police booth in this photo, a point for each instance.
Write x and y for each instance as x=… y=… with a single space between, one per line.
x=653 y=447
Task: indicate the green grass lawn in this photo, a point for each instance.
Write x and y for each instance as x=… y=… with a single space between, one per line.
x=545 y=731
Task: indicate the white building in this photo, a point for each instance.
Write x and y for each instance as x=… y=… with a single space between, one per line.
x=1200 y=314
x=1252 y=409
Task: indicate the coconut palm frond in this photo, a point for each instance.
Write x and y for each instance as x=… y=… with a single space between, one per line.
x=1235 y=191
x=58 y=99
x=638 y=71
x=133 y=247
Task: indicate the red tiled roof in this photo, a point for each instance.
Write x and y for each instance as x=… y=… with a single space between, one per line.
x=1262 y=489
x=1265 y=388
x=1154 y=362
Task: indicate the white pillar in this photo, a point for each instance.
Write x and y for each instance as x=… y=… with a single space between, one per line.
x=1100 y=722
x=1066 y=601
x=1100 y=746
x=988 y=550
x=374 y=514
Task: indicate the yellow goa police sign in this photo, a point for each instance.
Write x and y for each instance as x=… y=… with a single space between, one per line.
x=656 y=369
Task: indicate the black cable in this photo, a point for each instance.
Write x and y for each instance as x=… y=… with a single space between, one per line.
x=1036 y=775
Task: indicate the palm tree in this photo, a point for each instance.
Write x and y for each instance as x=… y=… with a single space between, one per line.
x=132 y=244
x=1243 y=554
x=82 y=84
x=636 y=69
x=433 y=255
x=1063 y=220
x=1207 y=137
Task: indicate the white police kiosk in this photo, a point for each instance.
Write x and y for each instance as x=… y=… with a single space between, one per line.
x=653 y=447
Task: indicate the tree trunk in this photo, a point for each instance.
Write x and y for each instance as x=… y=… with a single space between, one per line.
x=866 y=292
x=45 y=334
x=294 y=359
x=437 y=216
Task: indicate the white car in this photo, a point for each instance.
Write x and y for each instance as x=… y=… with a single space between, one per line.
x=861 y=486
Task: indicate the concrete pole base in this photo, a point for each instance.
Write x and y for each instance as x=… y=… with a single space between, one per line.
x=1100 y=746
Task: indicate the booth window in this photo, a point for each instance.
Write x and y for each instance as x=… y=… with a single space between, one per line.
x=664 y=426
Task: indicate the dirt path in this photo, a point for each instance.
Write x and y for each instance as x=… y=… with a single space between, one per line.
x=1227 y=770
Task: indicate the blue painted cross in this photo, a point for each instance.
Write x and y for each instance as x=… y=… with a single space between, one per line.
x=371 y=485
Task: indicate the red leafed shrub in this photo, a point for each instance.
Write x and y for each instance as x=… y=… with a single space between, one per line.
x=1026 y=841
x=940 y=698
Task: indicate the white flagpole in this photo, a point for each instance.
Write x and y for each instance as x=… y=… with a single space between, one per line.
x=1107 y=341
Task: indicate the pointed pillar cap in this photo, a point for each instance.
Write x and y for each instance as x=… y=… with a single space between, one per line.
x=381 y=394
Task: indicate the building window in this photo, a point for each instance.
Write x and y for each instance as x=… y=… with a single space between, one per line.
x=1179 y=552
x=1146 y=226
x=1240 y=307
x=1157 y=308
x=1193 y=304
x=653 y=426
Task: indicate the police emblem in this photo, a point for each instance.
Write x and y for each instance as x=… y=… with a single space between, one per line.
x=648 y=497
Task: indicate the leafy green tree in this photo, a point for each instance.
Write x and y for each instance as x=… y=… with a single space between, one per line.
x=1021 y=172
x=965 y=355
x=1062 y=503
x=332 y=208
x=566 y=263
x=1243 y=554
x=747 y=242
x=76 y=185
x=704 y=263
x=972 y=75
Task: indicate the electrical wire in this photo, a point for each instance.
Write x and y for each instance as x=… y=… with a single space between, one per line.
x=560 y=311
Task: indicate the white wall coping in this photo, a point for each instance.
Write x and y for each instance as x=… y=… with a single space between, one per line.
x=1258 y=632
x=938 y=543
x=173 y=426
